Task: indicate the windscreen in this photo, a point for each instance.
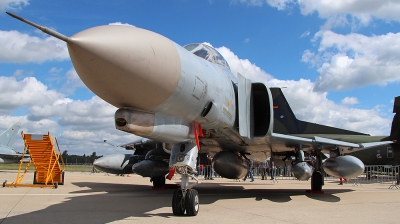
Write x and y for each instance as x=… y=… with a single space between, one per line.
x=208 y=53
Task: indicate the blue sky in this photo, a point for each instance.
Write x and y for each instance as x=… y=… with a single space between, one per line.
x=340 y=60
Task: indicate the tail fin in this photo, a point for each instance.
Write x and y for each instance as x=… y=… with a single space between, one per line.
x=285 y=122
x=7 y=137
x=395 y=131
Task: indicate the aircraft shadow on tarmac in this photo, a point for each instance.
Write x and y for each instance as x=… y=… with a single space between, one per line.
x=107 y=202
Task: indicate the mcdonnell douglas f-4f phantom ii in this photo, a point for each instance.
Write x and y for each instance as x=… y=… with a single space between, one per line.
x=189 y=98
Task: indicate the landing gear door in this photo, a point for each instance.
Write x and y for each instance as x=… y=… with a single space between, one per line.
x=245 y=104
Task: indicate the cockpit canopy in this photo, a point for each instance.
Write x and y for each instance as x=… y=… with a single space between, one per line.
x=208 y=53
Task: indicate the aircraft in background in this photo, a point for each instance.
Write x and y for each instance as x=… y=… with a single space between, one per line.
x=189 y=98
x=7 y=153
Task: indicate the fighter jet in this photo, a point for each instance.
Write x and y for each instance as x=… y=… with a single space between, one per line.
x=7 y=153
x=149 y=159
x=188 y=97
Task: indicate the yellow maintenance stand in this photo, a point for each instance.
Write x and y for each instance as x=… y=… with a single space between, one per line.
x=49 y=172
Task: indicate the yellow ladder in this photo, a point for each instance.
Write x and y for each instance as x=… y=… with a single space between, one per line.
x=45 y=158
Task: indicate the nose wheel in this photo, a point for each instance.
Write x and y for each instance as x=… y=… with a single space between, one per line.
x=192 y=202
x=178 y=203
x=185 y=200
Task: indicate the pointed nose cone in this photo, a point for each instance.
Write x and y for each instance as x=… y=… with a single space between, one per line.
x=125 y=65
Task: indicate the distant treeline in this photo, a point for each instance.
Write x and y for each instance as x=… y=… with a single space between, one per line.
x=79 y=159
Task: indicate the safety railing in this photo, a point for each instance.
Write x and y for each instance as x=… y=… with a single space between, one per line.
x=371 y=174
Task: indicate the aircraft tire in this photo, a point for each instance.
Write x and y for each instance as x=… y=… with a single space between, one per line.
x=178 y=201
x=34 y=178
x=62 y=178
x=316 y=181
x=158 y=181
x=192 y=202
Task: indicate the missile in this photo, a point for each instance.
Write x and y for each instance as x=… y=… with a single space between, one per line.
x=151 y=168
x=230 y=165
x=115 y=164
x=344 y=166
x=302 y=170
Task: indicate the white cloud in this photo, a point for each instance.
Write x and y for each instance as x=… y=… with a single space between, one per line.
x=279 y=4
x=80 y=126
x=24 y=93
x=305 y=34
x=249 y=2
x=338 y=12
x=243 y=66
x=18 y=47
x=55 y=70
x=312 y=106
x=120 y=24
x=20 y=73
x=12 y=4
x=347 y=61
x=73 y=81
x=361 y=10
x=350 y=100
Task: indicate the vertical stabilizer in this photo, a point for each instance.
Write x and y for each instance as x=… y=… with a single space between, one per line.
x=395 y=131
x=7 y=137
x=285 y=122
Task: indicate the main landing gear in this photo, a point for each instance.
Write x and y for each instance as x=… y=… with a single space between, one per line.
x=183 y=158
x=317 y=178
x=316 y=181
x=158 y=181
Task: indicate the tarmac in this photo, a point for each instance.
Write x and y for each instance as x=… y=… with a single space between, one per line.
x=101 y=198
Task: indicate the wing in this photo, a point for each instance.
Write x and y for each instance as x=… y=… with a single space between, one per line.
x=326 y=143
x=13 y=156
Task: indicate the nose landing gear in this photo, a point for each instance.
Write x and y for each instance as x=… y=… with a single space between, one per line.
x=183 y=158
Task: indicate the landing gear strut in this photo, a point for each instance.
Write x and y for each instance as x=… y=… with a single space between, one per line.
x=158 y=181
x=183 y=158
x=316 y=181
x=317 y=178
